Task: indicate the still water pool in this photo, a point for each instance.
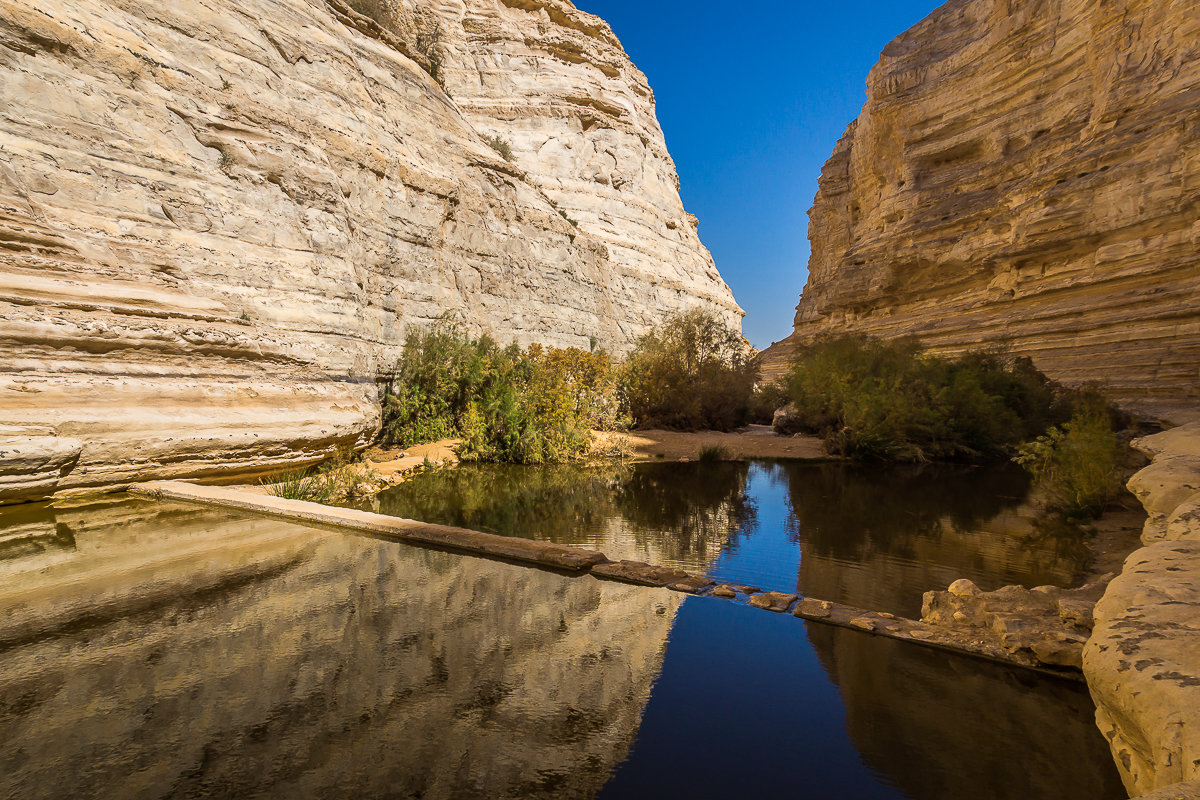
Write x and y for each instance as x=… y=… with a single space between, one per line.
x=153 y=650
x=876 y=538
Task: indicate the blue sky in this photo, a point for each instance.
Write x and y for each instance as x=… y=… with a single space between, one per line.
x=752 y=98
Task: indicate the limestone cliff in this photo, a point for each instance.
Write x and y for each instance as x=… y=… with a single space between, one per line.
x=218 y=218
x=1024 y=172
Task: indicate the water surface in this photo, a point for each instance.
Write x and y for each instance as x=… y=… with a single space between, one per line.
x=158 y=650
x=876 y=538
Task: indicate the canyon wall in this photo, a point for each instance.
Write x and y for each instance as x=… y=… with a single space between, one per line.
x=218 y=219
x=1024 y=173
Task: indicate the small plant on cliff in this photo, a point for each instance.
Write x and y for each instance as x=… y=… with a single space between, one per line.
x=1077 y=464
x=505 y=150
x=427 y=40
x=693 y=372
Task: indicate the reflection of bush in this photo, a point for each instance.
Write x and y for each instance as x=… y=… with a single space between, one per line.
x=536 y=502
x=842 y=509
x=686 y=512
x=704 y=505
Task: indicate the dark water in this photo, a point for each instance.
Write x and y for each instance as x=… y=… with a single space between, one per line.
x=873 y=538
x=154 y=650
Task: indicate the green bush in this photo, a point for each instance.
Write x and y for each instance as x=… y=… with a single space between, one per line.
x=692 y=372
x=439 y=371
x=1077 y=464
x=506 y=405
x=713 y=452
x=336 y=479
x=888 y=400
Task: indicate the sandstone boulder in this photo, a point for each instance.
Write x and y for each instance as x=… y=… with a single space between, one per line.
x=1143 y=666
x=1047 y=624
x=31 y=465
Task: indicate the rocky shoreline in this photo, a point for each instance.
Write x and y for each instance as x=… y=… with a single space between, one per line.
x=1142 y=663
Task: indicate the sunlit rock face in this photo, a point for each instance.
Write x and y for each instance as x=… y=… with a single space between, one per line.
x=217 y=219
x=1143 y=660
x=232 y=657
x=1023 y=174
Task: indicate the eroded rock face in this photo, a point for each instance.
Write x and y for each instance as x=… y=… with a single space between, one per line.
x=1143 y=660
x=1046 y=625
x=1023 y=173
x=1143 y=666
x=32 y=460
x=218 y=219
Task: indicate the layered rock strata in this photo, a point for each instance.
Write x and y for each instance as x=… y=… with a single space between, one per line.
x=1023 y=174
x=218 y=219
x=1143 y=661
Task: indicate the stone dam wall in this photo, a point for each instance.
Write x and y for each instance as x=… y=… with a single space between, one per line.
x=218 y=219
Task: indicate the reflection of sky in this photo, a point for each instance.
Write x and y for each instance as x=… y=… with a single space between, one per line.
x=743 y=708
x=769 y=557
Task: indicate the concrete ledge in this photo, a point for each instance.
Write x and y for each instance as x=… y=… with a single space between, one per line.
x=542 y=553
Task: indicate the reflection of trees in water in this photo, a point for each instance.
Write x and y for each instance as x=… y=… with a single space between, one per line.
x=687 y=513
x=845 y=510
x=881 y=537
x=1063 y=538
x=930 y=721
x=703 y=505
x=537 y=502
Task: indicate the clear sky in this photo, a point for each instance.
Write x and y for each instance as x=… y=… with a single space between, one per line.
x=752 y=97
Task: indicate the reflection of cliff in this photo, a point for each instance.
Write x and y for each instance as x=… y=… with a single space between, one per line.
x=673 y=514
x=917 y=715
x=358 y=668
x=878 y=539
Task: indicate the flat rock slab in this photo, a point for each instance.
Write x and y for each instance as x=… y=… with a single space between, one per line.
x=642 y=574
x=488 y=544
x=773 y=601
